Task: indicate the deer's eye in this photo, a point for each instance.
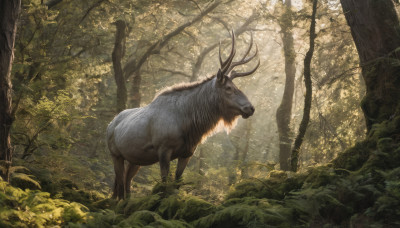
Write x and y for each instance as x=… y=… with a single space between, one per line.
x=229 y=89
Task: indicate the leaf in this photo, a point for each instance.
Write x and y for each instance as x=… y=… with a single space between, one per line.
x=26 y=178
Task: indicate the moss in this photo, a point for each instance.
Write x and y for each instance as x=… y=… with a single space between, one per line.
x=169 y=206
x=276 y=186
x=247 y=188
x=170 y=224
x=131 y=205
x=139 y=219
x=386 y=156
x=386 y=206
x=319 y=204
x=150 y=219
x=248 y=212
x=194 y=208
x=353 y=158
x=385 y=145
x=385 y=129
x=166 y=189
x=104 y=219
x=320 y=176
x=102 y=204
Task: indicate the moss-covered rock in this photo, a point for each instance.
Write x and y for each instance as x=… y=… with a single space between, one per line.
x=320 y=176
x=169 y=206
x=129 y=206
x=194 y=208
x=276 y=186
x=354 y=157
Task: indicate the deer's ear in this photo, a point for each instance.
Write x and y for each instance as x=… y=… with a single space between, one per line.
x=220 y=77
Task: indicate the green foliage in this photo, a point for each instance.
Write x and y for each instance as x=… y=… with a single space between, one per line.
x=64 y=93
x=353 y=158
x=28 y=208
x=143 y=203
x=104 y=218
x=277 y=186
x=151 y=219
x=194 y=208
x=23 y=180
x=20 y=177
x=247 y=212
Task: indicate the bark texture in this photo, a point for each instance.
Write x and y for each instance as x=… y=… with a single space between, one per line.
x=9 y=12
x=375 y=29
x=117 y=55
x=284 y=111
x=308 y=98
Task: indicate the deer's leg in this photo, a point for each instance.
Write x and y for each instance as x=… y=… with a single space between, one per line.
x=119 y=176
x=130 y=171
x=165 y=158
x=182 y=162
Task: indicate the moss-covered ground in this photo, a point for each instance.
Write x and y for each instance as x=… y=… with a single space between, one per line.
x=360 y=188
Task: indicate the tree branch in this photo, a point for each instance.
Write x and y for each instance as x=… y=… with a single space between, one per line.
x=130 y=67
x=203 y=54
x=52 y=3
x=175 y=72
x=90 y=9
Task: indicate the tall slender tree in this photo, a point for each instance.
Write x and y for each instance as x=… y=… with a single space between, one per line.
x=308 y=97
x=117 y=55
x=284 y=111
x=9 y=13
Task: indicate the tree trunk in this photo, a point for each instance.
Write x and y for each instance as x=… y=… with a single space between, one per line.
x=243 y=164
x=376 y=32
x=232 y=178
x=135 y=96
x=117 y=55
x=9 y=12
x=308 y=98
x=201 y=164
x=284 y=111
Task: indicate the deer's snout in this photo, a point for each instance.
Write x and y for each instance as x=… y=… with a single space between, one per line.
x=248 y=111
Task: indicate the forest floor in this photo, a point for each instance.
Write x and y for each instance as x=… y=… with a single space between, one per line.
x=360 y=188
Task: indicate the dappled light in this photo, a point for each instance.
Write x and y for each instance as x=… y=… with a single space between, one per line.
x=201 y=113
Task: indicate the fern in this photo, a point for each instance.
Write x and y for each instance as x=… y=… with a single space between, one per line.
x=27 y=179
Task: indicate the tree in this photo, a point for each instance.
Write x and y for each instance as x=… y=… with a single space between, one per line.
x=375 y=29
x=308 y=96
x=9 y=12
x=133 y=67
x=117 y=55
x=284 y=111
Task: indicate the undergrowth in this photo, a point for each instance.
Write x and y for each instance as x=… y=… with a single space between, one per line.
x=360 y=188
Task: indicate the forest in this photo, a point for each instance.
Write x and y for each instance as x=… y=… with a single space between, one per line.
x=312 y=139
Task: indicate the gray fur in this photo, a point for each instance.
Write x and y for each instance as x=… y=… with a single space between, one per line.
x=171 y=127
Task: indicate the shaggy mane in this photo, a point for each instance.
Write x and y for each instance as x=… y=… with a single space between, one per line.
x=183 y=86
x=221 y=125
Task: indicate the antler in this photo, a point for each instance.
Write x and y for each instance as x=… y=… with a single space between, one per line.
x=225 y=65
x=235 y=74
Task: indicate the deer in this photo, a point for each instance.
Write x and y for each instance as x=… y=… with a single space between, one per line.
x=178 y=119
